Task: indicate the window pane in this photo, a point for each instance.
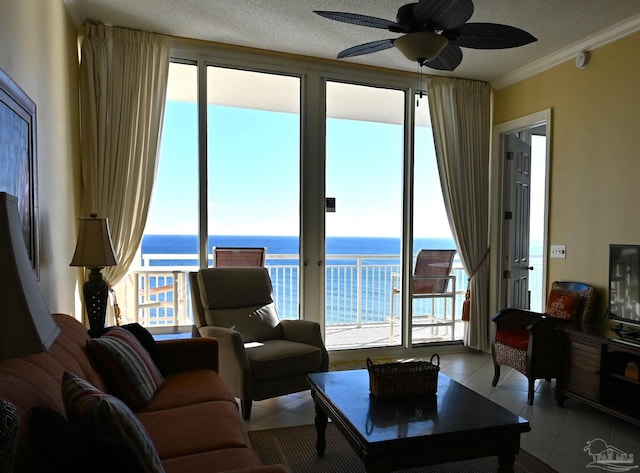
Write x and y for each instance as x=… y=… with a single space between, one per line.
x=254 y=171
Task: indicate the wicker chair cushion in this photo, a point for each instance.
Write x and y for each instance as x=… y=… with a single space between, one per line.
x=562 y=305
x=516 y=338
x=510 y=356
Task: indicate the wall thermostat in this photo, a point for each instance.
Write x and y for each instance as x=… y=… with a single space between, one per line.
x=582 y=59
x=330 y=204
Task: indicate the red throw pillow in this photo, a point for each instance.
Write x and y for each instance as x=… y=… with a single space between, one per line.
x=516 y=338
x=562 y=305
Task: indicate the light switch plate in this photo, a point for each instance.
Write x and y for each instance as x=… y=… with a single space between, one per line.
x=558 y=251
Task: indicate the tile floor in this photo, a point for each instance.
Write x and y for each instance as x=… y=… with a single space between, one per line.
x=558 y=434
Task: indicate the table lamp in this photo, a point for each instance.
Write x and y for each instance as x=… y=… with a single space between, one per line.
x=95 y=251
x=26 y=325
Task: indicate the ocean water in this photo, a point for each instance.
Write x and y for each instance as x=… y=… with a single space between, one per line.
x=348 y=281
x=288 y=245
x=356 y=288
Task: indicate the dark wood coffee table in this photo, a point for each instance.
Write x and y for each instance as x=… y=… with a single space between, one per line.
x=394 y=434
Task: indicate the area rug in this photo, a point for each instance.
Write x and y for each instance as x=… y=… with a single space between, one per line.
x=295 y=448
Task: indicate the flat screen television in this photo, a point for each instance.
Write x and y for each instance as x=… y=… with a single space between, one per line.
x=624 y=286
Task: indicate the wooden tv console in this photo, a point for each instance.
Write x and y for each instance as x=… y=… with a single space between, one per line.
x=593 y=365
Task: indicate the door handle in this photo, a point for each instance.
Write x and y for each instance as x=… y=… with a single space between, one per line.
x=530 y=268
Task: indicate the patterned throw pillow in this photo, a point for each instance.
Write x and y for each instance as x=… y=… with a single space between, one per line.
x=9 y=426
x=586 y=299
x=562 y=305
x=127 y=366
x=91 y=409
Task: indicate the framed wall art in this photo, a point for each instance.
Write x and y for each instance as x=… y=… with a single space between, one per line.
x=18 y=159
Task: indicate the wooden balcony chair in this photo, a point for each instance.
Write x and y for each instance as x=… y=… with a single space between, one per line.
x=261 y=356
x=238 y=257
x=528 y=341
x=432 y=279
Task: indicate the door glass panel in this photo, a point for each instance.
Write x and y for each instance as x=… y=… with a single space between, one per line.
x=436 y=303
x=536 y=228
x=254 y=171
x=364 y=156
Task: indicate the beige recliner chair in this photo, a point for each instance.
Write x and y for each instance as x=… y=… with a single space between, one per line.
x=261 y=356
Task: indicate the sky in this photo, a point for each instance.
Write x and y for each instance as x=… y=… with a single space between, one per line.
x=254 y=175
x=254 y=153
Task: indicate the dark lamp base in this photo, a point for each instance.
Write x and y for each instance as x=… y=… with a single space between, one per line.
x=96 y=293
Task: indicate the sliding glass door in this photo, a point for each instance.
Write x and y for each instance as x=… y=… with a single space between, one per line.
x=229 y=175
x=363 y=218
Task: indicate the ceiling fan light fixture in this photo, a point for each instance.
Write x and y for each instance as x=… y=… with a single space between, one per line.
x=421 y=46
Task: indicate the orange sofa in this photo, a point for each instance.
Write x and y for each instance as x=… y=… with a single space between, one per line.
x=192 y=420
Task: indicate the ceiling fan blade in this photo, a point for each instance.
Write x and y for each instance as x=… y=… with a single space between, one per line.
x=443 y=14
x=361 y=20
x=448 y=60
x=489 y=36
x=366 y=48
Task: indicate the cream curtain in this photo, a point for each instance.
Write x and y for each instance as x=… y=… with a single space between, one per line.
x=123 y=84
x=460 y=116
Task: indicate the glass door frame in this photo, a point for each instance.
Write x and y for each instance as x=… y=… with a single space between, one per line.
x=406 y=246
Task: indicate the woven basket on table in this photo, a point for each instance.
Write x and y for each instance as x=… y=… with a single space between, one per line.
x=412 y=378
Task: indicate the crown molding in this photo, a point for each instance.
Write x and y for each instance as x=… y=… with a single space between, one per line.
x=595 y=41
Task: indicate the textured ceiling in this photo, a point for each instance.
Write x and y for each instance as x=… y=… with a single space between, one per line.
x=291 y=26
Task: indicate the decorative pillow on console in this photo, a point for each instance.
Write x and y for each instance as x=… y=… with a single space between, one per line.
x=562 y=305
x=66 y=448
x=89 y=408
x=127 y=366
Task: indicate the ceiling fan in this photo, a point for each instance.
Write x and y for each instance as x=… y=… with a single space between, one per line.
x=434 y=31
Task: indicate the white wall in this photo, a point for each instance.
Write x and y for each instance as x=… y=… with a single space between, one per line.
x=38 y=49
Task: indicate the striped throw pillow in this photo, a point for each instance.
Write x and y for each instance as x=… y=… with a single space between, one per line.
x=89 y=408
x=127 y=367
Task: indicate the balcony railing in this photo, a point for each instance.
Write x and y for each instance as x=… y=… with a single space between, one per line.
x=358 y=289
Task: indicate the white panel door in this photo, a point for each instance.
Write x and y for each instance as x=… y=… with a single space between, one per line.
x=518 y=156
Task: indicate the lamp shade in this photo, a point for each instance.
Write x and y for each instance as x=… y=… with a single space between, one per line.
x=421 y=46
x=94 y=248
x=26 y=325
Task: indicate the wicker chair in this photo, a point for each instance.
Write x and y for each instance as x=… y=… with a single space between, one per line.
x=528 y=341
